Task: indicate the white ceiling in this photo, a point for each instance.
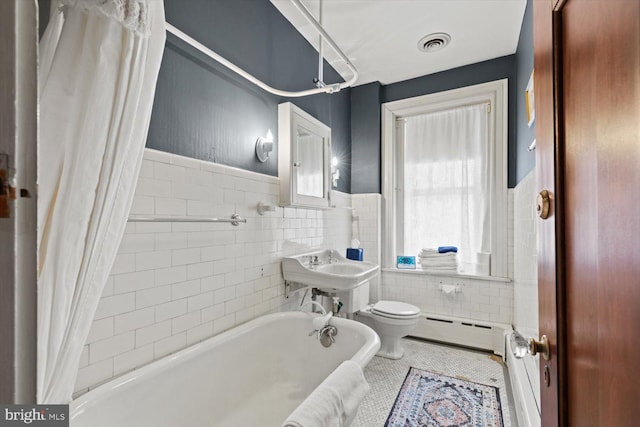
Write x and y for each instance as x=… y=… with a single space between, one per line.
x=380 y=37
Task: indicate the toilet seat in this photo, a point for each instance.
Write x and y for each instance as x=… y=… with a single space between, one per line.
x=395 y=310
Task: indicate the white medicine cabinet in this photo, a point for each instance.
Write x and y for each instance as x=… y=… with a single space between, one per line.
x=304 y=151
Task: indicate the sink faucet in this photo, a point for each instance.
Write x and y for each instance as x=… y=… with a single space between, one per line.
x=314 y=261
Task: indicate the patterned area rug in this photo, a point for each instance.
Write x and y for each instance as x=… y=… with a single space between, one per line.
x=427 y=399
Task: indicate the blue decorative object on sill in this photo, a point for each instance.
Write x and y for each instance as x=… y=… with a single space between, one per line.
x=355 y=254
x=445 y=249
x=406 y=262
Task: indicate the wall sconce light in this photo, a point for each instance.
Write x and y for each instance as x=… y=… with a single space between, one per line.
x=335 y=172
x=264 y=147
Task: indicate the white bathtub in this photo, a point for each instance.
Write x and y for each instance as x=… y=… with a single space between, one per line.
x=253 y=375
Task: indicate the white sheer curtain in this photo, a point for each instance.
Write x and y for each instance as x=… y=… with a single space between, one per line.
x=446 y=181
x=100 y=62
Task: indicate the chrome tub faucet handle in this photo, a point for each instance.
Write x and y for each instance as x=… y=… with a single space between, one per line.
x=327 y=335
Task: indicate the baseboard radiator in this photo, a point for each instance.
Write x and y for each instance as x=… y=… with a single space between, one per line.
x=463 y=332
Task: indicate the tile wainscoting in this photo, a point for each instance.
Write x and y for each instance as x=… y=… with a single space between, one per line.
x=174 y=284
x=367 y=227
x=525 y=373
x=477 y=299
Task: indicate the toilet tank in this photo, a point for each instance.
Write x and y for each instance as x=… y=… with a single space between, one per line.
x=355 y=299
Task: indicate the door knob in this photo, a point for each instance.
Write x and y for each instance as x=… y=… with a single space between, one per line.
x=543 y=204
x=539 y=347
x=521 y=346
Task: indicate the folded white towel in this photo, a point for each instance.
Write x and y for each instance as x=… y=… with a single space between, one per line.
x=334 y=402
x=440 y=269
x=448 y=255
x=427 y=251
x=439 y=262
x=452 y=267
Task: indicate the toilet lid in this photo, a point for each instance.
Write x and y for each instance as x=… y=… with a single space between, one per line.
x=395 y=308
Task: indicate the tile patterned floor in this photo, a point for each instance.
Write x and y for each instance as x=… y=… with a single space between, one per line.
x=386 y=376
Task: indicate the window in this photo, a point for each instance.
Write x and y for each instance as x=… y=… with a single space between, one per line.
x=444 y=180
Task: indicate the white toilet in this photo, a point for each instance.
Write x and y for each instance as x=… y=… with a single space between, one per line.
x=391 y=320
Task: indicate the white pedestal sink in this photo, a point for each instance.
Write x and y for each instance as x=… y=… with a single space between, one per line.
x=327 y=270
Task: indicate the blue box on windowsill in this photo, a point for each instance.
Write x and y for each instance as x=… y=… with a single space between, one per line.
x=354 y=254
x=406 y=262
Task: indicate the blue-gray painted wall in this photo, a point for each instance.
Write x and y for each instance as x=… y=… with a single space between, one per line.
x=365 y=138
x=44 y=9
x=525 y=160
x=204 y=111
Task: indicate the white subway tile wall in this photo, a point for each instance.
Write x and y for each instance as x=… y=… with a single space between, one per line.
x=510 y=233
x=484 y=300
x=525 y=281
x=366 y=224
x=174 y=284
x=526 y=256
x=367 y=227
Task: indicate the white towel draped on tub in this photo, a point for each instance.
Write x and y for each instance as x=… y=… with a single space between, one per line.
x=335 y=402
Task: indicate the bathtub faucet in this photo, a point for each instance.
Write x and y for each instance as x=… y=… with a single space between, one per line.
x=321 y=327
x=326 y=335
x=320 y=324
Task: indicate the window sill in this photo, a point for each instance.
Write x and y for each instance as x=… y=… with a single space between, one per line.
x=446 y=274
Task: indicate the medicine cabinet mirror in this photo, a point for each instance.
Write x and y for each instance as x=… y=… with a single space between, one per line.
x=303 y=158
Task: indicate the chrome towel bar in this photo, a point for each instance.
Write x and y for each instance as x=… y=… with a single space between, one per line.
x=234 y=220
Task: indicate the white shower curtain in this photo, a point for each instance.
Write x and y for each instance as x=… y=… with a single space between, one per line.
x=446 y=181
x=99 y=67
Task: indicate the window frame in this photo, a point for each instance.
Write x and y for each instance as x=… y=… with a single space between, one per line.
x=496 y=94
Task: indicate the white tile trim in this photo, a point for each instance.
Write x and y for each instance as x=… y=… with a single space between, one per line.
x=178 y=160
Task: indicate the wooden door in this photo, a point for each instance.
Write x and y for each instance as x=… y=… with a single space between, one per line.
x=587 y=62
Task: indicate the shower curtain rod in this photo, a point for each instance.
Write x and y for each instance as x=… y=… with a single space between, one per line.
x=329 y=88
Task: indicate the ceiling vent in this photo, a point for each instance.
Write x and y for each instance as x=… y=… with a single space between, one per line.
x=434 y=42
